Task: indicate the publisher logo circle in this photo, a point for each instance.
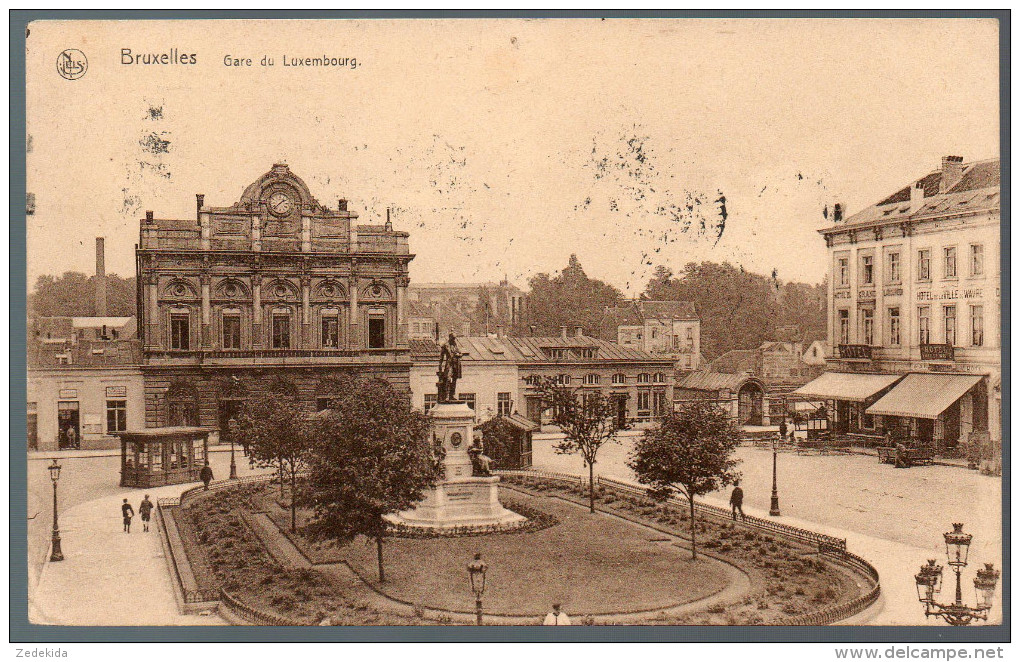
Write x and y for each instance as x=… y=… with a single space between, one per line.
x=72 y=64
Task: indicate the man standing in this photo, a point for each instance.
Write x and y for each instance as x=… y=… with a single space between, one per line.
x=128 y=512
x=145 y=510
x=737 y=500
x=449 y=369
x=206 y=474
x=782 y=429
x=556 y=617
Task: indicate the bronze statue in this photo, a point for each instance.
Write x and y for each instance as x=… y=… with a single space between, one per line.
x=481 y=464
x=449 y=369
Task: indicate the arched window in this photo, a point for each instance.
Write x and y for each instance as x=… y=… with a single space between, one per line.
x=591 y=379
x=660 y=377
x=644 y=378
x=619 y=379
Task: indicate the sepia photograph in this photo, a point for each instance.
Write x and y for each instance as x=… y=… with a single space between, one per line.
x=514 y=322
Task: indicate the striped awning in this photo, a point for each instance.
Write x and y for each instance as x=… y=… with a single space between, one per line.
x=924 y=395
x=856 y=387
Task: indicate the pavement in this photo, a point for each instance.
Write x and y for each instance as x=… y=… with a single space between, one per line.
x=107 y=577
x=894 y=518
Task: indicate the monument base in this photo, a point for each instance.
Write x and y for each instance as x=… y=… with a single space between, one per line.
x=465 y=502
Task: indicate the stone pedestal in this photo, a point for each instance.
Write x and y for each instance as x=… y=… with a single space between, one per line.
x=459 y=499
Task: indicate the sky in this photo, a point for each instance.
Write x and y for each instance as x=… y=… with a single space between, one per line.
x=503 y=146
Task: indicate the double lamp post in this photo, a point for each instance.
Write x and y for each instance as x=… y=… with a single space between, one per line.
x=477 y=570
x=55 y=554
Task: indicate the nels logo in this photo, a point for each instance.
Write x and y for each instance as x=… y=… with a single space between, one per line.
x=72 y=64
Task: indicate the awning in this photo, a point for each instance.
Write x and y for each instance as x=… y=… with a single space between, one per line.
x=924 y=395
x=853 y=386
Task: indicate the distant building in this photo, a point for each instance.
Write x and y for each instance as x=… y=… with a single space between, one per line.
x=662 y=328
x=484 y=306
x=914 y=310
x=82 y=391
x=742 y=396
x=499 y=374
x=435 y=321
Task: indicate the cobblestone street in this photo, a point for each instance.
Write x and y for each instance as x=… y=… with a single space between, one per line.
x=892 y=517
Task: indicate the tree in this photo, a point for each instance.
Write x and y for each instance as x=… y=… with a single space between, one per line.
x=371 y=457
x=586 y=419
x=74 y=295
x=277 y=432
x=569 y=298
x=688 y=453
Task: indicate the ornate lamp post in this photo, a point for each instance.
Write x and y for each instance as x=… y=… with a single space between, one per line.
x=774 y=507
x=232 y=427
x=56 y=554
x=929 y=582
x=477 y=570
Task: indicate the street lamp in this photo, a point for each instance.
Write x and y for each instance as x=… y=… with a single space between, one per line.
x=929 y=582
x=56 y=554
x=774 y=507
x=232 y=427
x=477 y=570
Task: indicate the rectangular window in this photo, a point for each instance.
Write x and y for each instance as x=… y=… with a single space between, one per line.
x=376 y=332
x=430 y=401
x=867 y=326
x=977 y=260
x=116 y=416
x=231 y=331
x=949 y=262
x=469 y=399
x=867 y=270
x=977 y=326
x=331 y=331
x=321 y=404
x=563 y=380
x=644 y=402
x=179 y=331
x=844 y=327
x=949 y=315
x=619 y=378
x=894 y=326
x=503 y=404
x=924 y=325
x=659 y=402
x=893 y=260
x=281 y=331
x=924 y=264
x=843 y=269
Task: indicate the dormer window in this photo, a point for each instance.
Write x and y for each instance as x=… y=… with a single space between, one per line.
x=556 y=353
x=587 y=353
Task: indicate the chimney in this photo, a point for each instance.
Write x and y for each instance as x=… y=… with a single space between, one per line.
x=837 y=212
x=389 y=224
x=199 y=203
x=563 y=331
x=952 y=172
x=100 y=277
x=916 y=196
x=341 y=204
x=500 y=331
x=579 y=331
x=148 y=217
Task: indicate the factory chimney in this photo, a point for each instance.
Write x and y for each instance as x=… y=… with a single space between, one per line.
x=100 y=277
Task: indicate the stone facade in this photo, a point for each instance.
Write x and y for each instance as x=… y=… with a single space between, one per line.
x=914 y=286
x=273 y=287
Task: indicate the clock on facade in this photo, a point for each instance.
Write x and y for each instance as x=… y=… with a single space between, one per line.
x=280 y=204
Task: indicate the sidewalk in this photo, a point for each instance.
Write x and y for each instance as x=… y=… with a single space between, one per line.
x=109 y=577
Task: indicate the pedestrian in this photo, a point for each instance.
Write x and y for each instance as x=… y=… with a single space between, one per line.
x=737 y=500
x=128 y=512
x=72 y=438
x=145 y=510
x=206 y=474
x=902 y=457
x=557 y=616
x=782 y=429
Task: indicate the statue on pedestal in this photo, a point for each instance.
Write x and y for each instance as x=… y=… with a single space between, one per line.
x=481 y=464
x=449 y=369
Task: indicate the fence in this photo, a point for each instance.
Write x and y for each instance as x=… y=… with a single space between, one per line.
x=834 y=548
x=253 y=615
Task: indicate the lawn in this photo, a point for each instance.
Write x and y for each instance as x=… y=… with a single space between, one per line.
x=592 y=564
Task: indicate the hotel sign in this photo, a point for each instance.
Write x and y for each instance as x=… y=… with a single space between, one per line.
x=938 y=296
x=866 y=295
